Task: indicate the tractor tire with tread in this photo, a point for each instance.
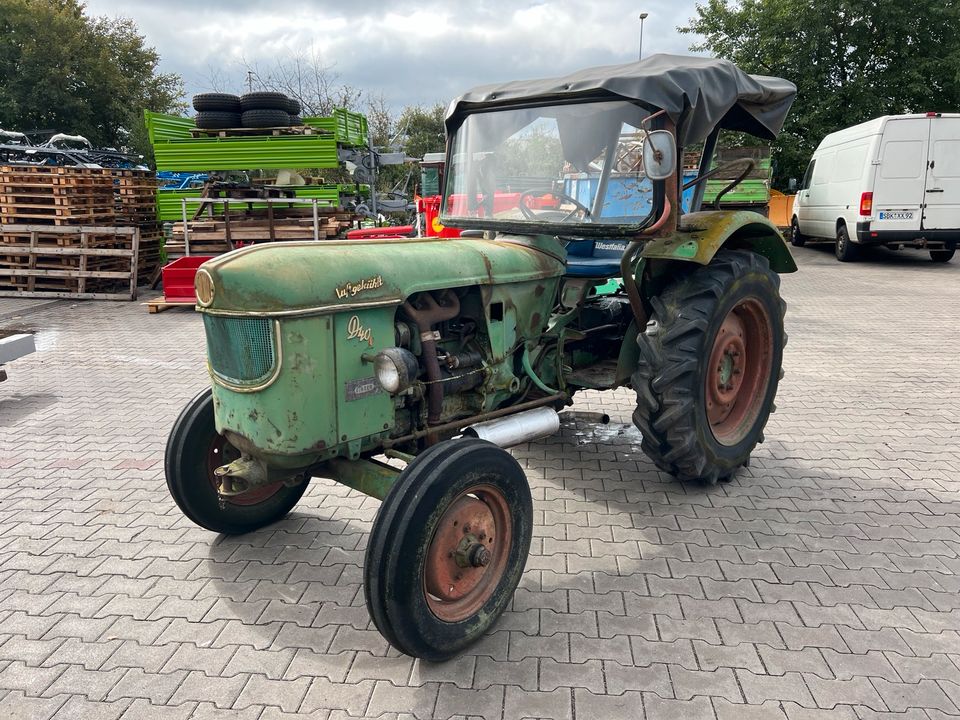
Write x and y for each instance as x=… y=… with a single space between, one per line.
x=676 y=363
x=263 y=100
x=217 y=120
x=194 y=448
x=216 y=102
x=265 y=118
x=410 y=547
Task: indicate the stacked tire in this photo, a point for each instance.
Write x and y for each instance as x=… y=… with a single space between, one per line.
x=218 y=111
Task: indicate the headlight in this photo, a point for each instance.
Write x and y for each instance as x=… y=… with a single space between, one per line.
x=396 y=369
x=203 y=284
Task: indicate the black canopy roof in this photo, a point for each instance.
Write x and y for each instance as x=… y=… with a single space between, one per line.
x=698 y=93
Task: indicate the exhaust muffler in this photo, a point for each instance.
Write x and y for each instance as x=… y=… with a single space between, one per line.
x=516 y=429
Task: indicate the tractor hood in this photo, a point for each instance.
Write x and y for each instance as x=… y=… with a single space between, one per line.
x=303 y=278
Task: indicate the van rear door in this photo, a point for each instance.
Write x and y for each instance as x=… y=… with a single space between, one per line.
x=943 y=175
x=898 y=190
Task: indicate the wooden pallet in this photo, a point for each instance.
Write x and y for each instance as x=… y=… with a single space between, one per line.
x=68 y=171
x=149 y=256
x=223 y=233
x=74 y=262
x=156 y=306
x=58 y=220
x=45 y=236
x=57 y=196
x=246 y=132
x=136 y=198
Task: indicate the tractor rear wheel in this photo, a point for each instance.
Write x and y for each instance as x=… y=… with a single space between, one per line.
x=448 y=547
x=709 y=367
x=194 y=450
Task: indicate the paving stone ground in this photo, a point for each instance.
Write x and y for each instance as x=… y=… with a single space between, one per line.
x=823 y=582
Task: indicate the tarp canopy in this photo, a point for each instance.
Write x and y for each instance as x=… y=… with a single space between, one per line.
x=697 y=93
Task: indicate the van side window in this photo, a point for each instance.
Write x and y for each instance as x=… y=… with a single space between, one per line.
x=807 y=175
x=850 y=164
x=824 y=170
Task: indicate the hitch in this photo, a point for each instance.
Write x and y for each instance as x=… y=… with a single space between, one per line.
x=247 y=473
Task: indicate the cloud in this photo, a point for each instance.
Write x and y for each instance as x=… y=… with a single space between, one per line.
x=418 y=53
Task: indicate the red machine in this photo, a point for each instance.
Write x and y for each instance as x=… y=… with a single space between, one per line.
x=428 y=208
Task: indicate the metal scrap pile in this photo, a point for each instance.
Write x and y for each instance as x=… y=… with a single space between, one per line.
x=62 y=150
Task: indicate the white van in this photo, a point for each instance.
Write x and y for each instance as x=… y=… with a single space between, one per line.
x=890 y=181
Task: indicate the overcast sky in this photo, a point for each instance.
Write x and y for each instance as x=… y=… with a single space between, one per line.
x=413 y=53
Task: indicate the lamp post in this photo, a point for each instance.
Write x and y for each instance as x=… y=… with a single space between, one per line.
x=643 y=16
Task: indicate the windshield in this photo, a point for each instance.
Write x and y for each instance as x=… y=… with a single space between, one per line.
x=574 y=166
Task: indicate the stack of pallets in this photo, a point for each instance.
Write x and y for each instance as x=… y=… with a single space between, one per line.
x=80 y=261
x=56 y=196
x=135 y=196
x=135 y=192
x=219 y=234
x=76 y=232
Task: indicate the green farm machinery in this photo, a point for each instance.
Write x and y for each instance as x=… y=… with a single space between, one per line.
x=403 y=367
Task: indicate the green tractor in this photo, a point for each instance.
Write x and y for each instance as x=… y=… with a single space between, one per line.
x=351 y=360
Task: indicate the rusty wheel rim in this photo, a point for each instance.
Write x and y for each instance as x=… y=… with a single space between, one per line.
x=222 y=452
x=468 y=554
x=739 y=371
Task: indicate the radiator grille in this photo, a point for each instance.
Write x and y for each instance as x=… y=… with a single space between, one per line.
x=241 y=350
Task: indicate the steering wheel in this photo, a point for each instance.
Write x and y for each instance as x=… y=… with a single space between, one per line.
x=529 y=214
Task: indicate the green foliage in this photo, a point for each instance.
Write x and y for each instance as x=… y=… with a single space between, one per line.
x=537 y=152
x=422 y=130
x=852 y=60
x=63 y=71
x=417 y=131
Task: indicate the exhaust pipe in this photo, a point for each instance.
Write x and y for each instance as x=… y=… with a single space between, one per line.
x=516 y=429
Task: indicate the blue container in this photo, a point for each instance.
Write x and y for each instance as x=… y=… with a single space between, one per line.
x=628 y=197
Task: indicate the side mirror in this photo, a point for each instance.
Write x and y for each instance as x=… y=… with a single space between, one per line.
x=792 y=184
x=659 y=154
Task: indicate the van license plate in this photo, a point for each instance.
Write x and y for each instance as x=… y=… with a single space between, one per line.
x=887 y=215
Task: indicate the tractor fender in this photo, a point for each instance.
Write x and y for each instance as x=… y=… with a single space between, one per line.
x=702 y=234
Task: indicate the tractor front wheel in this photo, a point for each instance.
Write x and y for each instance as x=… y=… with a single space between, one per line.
x=448 y=547
x=710 y=362
x=194 y=450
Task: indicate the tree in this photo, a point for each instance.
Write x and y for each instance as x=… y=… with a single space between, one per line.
x=417 y=131
x=852 y=60
x=306 y=77
x=62 y=71
x=422 y=130
x=537 y=153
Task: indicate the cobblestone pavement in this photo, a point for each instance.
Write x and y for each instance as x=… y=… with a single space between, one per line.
x=823 y=582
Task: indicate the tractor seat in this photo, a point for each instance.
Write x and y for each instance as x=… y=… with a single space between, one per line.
x=595 y=258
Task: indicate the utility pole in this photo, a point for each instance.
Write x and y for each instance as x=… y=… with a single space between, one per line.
x=643 y=16
x=250 y=72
